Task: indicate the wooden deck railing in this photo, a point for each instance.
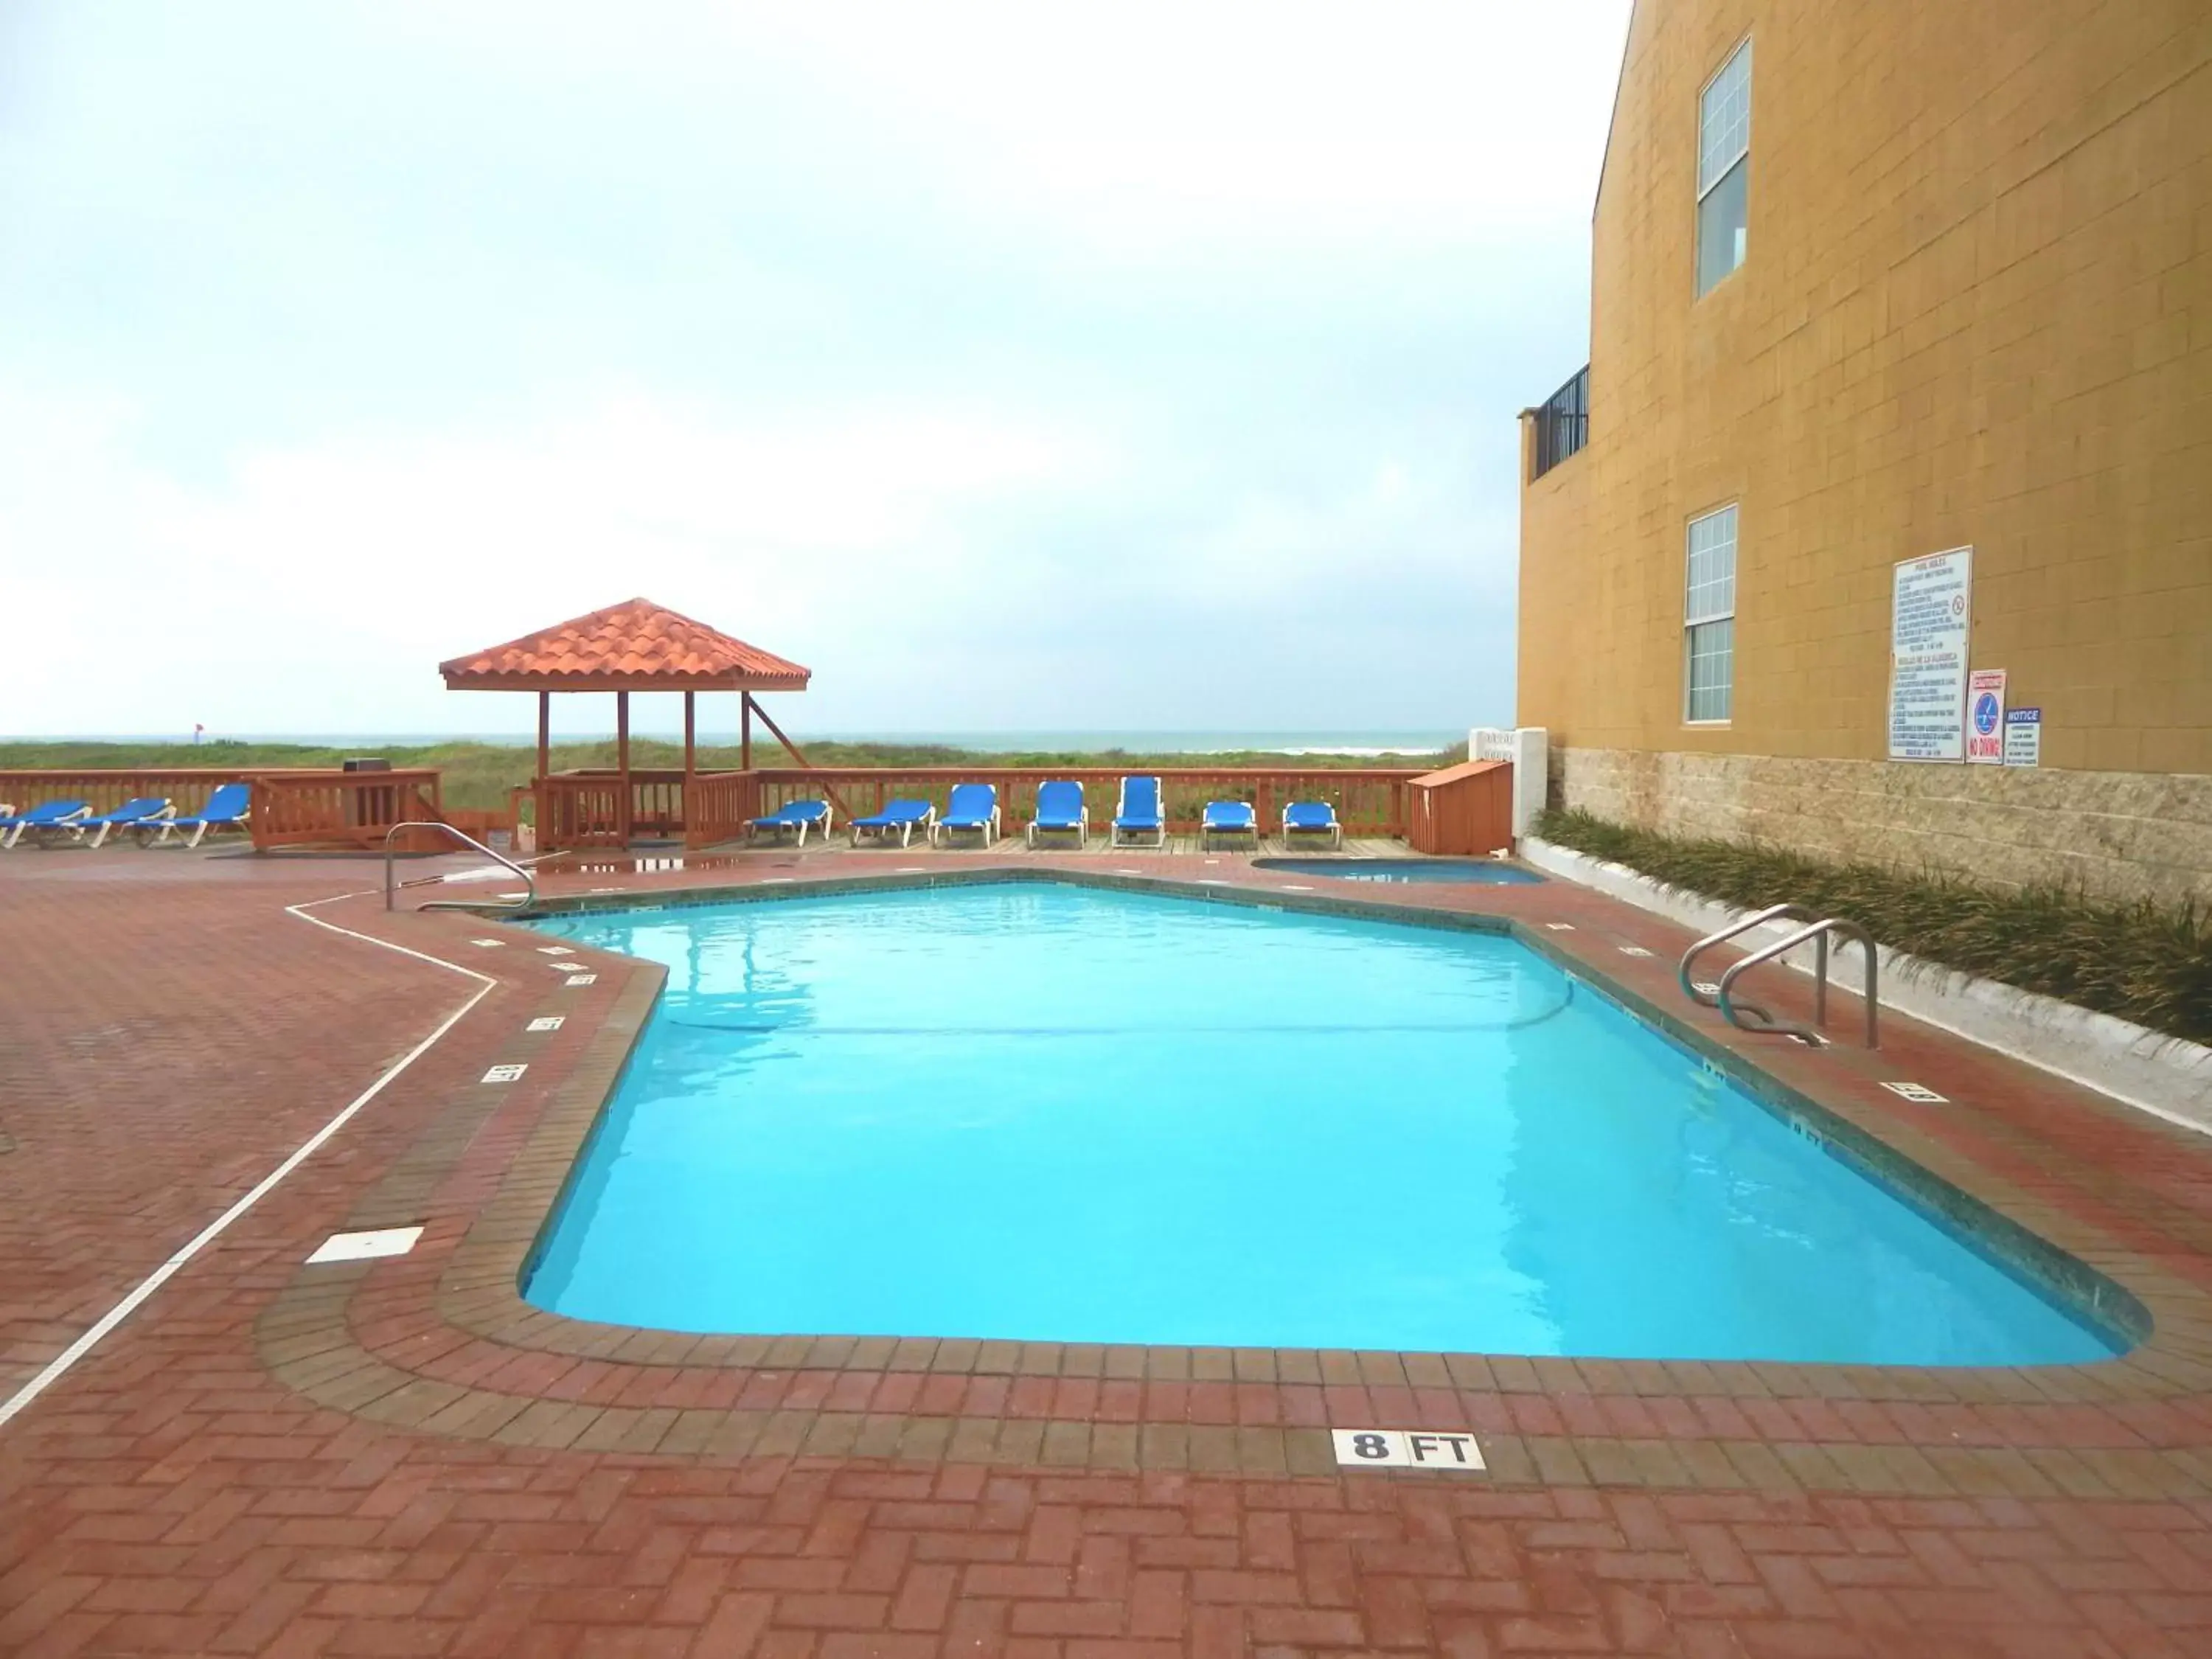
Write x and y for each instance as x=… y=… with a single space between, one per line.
x=290 y=807
x=322 y=809
x=718 y=806
x=1369 y=801
x=185 y=787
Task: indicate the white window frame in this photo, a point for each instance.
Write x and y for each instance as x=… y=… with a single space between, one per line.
x=1722 y=170
x=1694 y=618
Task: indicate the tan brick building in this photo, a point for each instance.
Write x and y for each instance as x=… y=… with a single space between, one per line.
x=1873 y=279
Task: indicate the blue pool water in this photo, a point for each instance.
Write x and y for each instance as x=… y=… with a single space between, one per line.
x=1054 y=1112
x=1487 y=871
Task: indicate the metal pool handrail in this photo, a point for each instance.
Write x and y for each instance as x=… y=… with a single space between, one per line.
x=1741 y=925
x=525 y=903
x=1817 y=932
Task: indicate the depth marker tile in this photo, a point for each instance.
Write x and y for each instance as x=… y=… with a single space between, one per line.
x=555 y=951
x=582 y=979
x=1918 y=1091
x=504 y=1073
x=545 y=1023
x=367 y=1247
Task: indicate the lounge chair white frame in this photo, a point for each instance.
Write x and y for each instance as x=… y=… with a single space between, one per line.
x=14 y=832
x=169 y=825
x=1083 y=824
x=927 y=821
x=1114 y=832
x=1334 y=828
x=138 y=827
x=826 y=821
x=996 y=825
x=1251 y=829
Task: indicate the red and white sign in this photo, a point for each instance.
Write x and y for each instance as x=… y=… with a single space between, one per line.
x=1985 y=711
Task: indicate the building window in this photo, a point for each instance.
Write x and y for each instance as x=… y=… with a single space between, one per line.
x=1724 y=169
x=1709 y=618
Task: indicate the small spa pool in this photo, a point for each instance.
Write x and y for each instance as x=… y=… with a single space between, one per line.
x=1489 y=871
x=1050 y=1112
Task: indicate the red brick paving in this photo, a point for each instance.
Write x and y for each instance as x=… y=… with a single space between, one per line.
x=170 y=1495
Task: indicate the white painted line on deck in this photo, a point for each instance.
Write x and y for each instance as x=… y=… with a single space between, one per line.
x=1454 y=1449
x=366 y=1247
x=59 y=1365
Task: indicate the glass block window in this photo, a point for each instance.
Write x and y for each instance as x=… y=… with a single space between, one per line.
x=1709 y=617
x=1724 y=169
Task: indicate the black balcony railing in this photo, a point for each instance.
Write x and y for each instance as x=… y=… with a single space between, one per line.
x=1562 y=424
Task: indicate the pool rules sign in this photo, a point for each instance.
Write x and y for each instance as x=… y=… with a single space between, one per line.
x=1930 y=604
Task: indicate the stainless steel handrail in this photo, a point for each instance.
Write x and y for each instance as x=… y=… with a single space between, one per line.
x=1742 y=925
x=1817 y=932
x=526 y=901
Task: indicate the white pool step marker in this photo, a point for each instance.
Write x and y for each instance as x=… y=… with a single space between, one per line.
x=367 y=1247
x=545 y=1023
x=1918 y=1091
x=574 y=980
x=504 y=1073
x=1454 y=1449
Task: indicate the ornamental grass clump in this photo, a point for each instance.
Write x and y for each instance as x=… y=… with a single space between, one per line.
x=2143 y=962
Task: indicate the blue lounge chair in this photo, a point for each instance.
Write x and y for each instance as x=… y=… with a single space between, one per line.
x=1311 y=817
x=1139 y=813
x=227 y=808
x=904 y=816
x=974 y=806
x=799 y=815
x=145 y=815
x=43 y=819
x=1228 y=817
x=1061 y=811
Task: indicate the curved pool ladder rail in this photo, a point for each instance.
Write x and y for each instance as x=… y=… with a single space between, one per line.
x=1750 y=1016
x=1741 y=925
x=525 y=903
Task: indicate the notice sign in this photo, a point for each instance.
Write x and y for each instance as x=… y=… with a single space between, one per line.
x=1930 y=602
x=2023 y=737
x=1986 y=689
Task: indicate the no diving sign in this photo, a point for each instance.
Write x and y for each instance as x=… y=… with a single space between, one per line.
x=1408 y=1448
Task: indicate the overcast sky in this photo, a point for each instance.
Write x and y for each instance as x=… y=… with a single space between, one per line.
x=1151 y=369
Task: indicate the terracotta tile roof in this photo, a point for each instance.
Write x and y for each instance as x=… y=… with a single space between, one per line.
x=636 y=643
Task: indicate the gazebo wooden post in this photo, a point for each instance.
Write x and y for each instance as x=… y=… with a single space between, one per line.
x=621 y=764
x=746 y=732
x=540 y=790
x=690 y=755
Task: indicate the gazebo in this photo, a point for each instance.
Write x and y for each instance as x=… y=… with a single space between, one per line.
x=637 y=646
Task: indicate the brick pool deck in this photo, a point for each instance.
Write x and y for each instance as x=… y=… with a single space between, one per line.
x=401 y=1457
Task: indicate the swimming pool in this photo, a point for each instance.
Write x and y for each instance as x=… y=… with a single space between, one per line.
x=1487 y=871
x=1049 y=1112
